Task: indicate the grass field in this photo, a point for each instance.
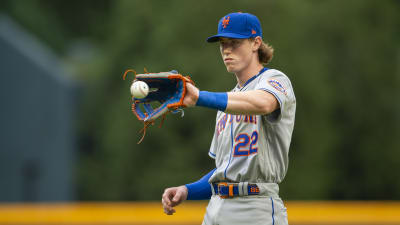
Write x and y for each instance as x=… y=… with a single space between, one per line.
x=146 y=213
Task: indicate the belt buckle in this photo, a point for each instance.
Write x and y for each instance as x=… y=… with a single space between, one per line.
x=230 y=190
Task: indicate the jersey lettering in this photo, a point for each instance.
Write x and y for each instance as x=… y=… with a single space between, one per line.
x=221 y=124
x=238 y=118
x=241 y=147
x=253 y=145
x=246 y=119
x=243 y=141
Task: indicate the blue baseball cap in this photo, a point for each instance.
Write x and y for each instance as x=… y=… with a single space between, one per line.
x=237 y=25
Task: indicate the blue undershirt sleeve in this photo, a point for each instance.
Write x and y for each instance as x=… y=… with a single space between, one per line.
x=201 y=189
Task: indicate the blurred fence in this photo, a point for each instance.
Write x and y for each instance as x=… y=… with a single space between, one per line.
x=37 y=117
x=146 y=213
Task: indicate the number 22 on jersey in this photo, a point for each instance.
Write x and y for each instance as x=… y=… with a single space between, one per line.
x=245 y=144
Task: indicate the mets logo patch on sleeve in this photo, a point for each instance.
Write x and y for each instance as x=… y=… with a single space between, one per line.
x=277 y=85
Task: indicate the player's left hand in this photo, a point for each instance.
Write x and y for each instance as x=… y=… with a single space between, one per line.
x=173 y=197
x=192 y=95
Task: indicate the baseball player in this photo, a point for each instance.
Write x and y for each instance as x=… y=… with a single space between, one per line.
x=252 y=135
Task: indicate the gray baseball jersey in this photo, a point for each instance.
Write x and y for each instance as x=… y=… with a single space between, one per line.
x=255 y=148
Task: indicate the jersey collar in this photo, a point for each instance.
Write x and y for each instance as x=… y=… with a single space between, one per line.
x=253 y=77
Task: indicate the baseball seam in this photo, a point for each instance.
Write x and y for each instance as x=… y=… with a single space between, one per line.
x=143 y=93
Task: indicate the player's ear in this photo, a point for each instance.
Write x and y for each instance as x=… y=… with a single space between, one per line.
x=256 y=43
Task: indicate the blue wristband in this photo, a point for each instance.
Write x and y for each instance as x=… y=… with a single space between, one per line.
x=214 y=100
x=201 y=189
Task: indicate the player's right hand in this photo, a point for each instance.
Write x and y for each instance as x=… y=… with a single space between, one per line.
x=173 y=197
x=192 y=95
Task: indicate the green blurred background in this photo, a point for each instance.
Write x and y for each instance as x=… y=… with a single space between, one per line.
x=343 y=58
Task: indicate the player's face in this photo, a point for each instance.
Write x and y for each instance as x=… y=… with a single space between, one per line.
x=236 y=53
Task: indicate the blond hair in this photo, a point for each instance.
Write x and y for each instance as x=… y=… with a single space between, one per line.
x=265 y=52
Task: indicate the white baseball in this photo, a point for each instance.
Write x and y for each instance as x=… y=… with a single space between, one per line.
x=139 y=89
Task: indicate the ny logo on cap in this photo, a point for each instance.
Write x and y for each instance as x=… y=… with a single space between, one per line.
x=225 y=22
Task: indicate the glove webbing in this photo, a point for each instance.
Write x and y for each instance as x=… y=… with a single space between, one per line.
x=146 y=124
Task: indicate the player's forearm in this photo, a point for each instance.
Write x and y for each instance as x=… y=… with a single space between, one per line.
x=201 y=189
x=256 y=102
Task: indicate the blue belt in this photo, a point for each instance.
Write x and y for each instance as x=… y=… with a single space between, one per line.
x=230 y=190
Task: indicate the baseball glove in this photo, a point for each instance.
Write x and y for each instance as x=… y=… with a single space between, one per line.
x=166 y=93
